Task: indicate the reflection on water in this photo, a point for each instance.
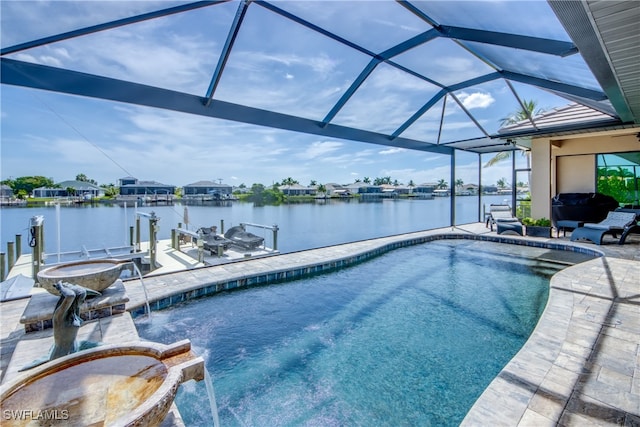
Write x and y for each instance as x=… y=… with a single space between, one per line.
x=302 y=225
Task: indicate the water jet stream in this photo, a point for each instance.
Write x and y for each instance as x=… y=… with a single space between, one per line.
x=212 y=398
x=144 y=288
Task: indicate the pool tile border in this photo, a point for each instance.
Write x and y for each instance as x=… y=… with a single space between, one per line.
x=170 y=298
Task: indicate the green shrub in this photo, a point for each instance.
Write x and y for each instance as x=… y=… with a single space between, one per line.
x=542 y=222
x=528 y=221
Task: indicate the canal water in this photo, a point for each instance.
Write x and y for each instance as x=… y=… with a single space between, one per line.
x=301 y=225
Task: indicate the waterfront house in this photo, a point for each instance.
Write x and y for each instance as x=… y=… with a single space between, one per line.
x=71 y=188
x=131 y=188
x=241 y=190
x=297 y=190
x=400 y=189
x=370 y=190
x=6 y=192
x=442 y=192
x=424 y=191
x=336 y=190
x=207 y=189
x=6 y=196
x=489 y=189
x=354 y=188
x=467 y=190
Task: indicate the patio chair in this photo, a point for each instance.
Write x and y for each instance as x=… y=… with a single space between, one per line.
x=503 y=219
x=615 y=222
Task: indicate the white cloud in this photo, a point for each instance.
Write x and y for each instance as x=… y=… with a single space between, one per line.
x=318 y=149
x=254 y=60
x=61 y=52
x=393 y=150
x=476 y=100
x=26 y=57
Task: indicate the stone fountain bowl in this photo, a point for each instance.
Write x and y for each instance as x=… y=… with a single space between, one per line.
x=115 y=385
x=96 y=274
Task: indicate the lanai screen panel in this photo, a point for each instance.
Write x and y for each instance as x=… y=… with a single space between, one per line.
x=415 y=74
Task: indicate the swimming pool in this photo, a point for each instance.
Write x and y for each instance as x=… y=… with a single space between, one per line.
x=409 y=338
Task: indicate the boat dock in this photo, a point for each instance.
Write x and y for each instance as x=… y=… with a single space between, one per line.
x=581 y=365
x=170 y=260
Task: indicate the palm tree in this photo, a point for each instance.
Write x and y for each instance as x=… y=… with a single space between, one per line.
x=442 y=184
x=530 y=109
x=288 y=182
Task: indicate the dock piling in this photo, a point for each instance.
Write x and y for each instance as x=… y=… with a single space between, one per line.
x=275 y=237
x=2 y=268
x=153 y=230
x=10 y=256
x=18 y=246
x=175 y=244
x=37 y=244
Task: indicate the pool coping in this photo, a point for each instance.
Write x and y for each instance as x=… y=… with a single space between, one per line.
x=581 y=364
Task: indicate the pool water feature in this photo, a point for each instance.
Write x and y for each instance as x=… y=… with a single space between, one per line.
x=409 y=338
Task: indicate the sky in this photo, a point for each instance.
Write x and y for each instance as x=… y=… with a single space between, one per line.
x=275 y=64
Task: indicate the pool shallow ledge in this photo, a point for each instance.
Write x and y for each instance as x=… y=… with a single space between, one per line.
x=580 y=364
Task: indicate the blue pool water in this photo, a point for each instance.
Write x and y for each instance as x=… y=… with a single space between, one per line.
x=409 y=338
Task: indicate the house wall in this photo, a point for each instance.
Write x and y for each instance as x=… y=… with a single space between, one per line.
x=188 y=190
x=567 y=164
x=541 y=177
x=568 y=181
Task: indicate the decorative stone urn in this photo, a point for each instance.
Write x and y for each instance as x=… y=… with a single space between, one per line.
x=96 y=275
x=115 y=385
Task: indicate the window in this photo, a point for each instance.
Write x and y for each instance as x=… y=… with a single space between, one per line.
x=618 y=175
